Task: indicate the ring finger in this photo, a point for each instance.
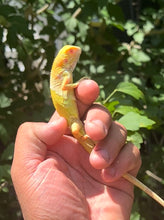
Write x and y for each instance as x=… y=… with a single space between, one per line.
x=108 y=149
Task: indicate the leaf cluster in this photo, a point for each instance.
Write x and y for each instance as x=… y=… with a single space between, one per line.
x=122 y=49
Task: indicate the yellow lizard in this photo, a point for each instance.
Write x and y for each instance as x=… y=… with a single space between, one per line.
x=62 y=92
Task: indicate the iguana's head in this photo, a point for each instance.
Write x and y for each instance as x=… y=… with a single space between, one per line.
x=68 y=56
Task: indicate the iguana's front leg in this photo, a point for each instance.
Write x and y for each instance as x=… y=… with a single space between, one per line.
x=66 y=84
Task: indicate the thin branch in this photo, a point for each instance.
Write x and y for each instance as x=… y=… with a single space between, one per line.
x=144 y=188
x=41 y=10
x=162 y=140
x=155 y=32
x=76 y=13
x=109 y=97
x=159 y=179
x=132 y=179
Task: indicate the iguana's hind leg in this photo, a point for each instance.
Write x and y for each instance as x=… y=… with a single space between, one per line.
x=79 y=133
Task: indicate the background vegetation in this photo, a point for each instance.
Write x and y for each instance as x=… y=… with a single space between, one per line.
x=123 y=50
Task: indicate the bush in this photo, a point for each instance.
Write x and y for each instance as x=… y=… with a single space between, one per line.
x=123 y=50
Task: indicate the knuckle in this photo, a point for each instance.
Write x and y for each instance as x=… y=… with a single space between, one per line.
x=122 y=130
x=136 y=155
x=24 y=127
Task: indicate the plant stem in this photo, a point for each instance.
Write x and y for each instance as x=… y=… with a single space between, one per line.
x=109 y=97
x=144 y=188
x=149 y=173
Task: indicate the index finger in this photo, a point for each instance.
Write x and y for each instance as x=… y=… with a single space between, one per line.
x=86 y=93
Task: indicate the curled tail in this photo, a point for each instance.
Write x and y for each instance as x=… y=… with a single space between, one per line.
x=87 y=143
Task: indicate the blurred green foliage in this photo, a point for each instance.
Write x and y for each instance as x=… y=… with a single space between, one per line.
x=123 y=50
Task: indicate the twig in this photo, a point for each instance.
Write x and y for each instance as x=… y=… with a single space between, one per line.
x=144 y=188
x=76 y=13
x=155 y=32
x=39 y=11
x=109 y=97
x=140 y=185
x=149 y=173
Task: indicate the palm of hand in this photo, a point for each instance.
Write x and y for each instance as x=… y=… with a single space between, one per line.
x=66 y=177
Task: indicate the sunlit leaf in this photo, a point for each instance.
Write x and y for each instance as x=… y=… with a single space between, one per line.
x=139 y=37
x=122 y=109
x=71 y=24
x=130 y=89
x=138 y=56
x=4 y=100
x=111 y=106
x=131 y=28
x=134 y=121
x=135 y=216
x=136 y=138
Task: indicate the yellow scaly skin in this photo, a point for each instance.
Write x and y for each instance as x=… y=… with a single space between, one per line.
x=62 y=92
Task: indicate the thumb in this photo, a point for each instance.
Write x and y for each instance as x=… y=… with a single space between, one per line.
x=32 y=142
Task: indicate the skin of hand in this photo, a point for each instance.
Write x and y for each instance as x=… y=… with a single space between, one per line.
x=56 y=179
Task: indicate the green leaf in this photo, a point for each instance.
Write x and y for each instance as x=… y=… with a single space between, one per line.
x=12 y=37
x=4 y=101
x=71 y=24
x=4 y=22
x=135 y=138
x=139 y=37
x=135 y=216
x=101 y=69
x=6 y=10
x=135 y=62
x=5 y=189
x=131 y=28
x=71 y=4
x=3 y=134
x=8 y=152
x=92 y=69
x=70 y=39
x=123 y=109
x=111 y=106
x=20 y=25
x=130 y=89
x=4 y=171
x=138 y=57
x=134 y=121
x=83 y=28
x=148 y=26
x=118 y=25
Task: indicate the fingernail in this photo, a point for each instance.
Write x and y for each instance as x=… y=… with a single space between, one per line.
x=56 y=122
x=103 y=154
x=60 y=122
x=109 y=173
x=101 y=125
x=112 y=171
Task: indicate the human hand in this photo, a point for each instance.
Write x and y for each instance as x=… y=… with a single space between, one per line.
x=55 y=178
